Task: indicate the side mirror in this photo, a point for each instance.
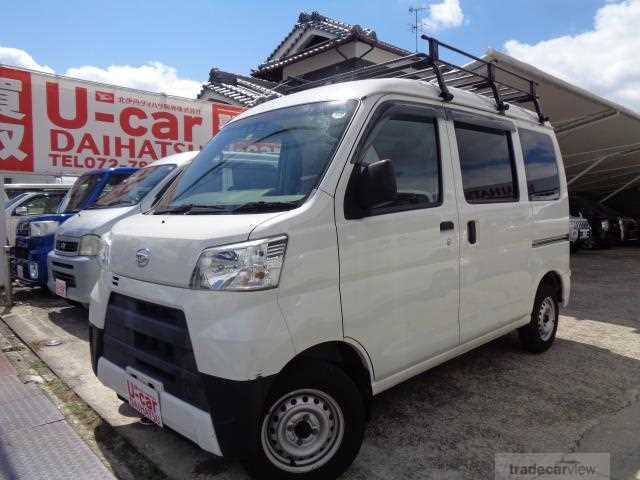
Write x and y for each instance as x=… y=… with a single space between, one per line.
x=21 y=211
x=375 y=185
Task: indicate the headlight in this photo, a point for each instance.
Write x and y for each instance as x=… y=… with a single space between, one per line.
x=254 y=265
x=43 y=228
x=604 y=224
x=89 y=245
x=33 y=270
x=104 y=257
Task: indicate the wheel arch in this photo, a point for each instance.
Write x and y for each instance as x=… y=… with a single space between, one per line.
x=346 y=356
x=553 y=278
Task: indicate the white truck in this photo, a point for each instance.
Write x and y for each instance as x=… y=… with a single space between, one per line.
x=391 y=228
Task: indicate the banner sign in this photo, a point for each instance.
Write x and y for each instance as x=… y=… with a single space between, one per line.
x=61 y=126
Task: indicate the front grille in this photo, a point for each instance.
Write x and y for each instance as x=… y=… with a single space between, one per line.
x=66 y=246
x=62 y=265
x=21 y=252
x=22 y=230
x=153 y=339
x=69 y=279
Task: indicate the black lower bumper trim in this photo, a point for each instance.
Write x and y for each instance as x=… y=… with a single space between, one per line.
x=96 y=342
x=236 y=408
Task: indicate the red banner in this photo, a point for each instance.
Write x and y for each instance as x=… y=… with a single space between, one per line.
x=61 y=126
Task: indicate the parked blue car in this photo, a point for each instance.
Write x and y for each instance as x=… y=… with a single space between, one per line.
x=35 y=235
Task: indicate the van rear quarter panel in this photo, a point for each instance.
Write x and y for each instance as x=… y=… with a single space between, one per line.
x=550 y=219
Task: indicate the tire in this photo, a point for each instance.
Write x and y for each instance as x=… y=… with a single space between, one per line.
x=538 y=335
x=315 y=413
x=590 y=243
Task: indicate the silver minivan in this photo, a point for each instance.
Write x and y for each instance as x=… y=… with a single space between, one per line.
x=73 y=264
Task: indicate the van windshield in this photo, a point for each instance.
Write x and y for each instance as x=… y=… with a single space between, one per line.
x=267 y=162
x=134 y=188
x=82 y=188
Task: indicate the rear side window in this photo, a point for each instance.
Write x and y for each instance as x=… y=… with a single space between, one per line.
x=543 y=181
x=411 y=143
x=487 y=164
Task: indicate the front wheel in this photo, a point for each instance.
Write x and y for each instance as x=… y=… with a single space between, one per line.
x=312 y=426
x=538 y=335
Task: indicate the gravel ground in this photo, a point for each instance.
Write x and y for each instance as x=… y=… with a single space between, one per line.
x=448 y=423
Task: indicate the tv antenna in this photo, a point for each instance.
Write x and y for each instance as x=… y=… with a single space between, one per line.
x=415 y=27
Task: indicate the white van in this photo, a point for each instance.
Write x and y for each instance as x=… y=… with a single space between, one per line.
x=260 y=306
x=73 y=263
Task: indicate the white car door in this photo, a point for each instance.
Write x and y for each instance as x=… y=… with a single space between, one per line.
x=399 y=263
x=495 y=224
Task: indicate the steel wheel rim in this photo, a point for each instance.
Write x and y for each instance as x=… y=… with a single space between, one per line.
x=302 y=430
x=546 y=318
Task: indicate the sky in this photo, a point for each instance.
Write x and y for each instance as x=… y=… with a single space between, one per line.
x=170 y=46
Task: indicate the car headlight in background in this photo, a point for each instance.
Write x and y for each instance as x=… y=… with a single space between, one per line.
x=604 y=224
x=253 y=265
x=33 y=270
x=43 y=228
x=104 y=255
x=89 y=245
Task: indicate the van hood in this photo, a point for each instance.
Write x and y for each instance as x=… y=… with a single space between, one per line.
x=96 y=221
x=174 y=243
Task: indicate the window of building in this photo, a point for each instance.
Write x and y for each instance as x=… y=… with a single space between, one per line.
x=543 y=181
x=487 y=164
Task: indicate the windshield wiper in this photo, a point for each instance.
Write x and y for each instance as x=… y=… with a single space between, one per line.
x=265 y=207
x=191 y=209
x=126 y=203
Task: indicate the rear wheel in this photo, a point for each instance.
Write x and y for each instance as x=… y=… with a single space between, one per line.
x=312 y=426
x=539 y=334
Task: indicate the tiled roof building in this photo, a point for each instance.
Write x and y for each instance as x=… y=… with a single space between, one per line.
x=316 y=47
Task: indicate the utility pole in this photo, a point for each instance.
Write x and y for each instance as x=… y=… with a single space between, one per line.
x=415 y=27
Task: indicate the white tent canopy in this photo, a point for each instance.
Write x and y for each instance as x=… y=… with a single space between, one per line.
x=599 y=140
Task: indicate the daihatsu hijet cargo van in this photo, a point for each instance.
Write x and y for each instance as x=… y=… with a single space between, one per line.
x=378 y=232
x=73 y=264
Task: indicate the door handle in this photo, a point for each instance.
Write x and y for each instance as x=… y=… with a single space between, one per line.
x=472 y=234
x=445 y=226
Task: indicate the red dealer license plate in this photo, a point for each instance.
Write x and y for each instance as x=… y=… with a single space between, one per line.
x=145 y=400
x=61 y=287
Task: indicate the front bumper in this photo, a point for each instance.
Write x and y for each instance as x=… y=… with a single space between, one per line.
x=234 y=407
x=23 y=271
x=191 y=422
x=78 y=272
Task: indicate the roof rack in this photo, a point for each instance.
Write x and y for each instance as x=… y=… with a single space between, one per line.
x=479 y=77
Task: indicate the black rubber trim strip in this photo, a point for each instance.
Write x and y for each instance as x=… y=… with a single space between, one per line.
x=549 y=240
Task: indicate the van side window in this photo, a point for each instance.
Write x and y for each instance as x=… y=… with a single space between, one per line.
x=411 y=143
x=543 y=181
x=487 y=164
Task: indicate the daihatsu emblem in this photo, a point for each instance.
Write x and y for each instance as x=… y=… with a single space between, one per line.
x=142 y=257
